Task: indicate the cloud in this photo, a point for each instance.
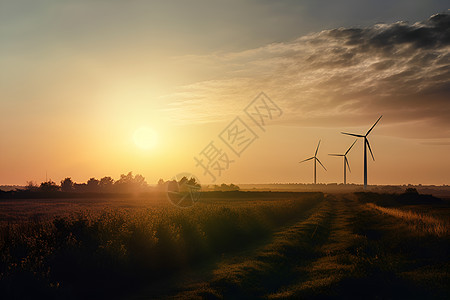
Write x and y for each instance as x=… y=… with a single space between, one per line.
x=343 y=76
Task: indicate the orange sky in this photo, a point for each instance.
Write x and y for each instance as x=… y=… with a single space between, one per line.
x=73 y=94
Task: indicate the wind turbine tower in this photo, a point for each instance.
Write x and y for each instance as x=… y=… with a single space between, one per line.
x=315 y=162
x=366 y=145
x=346 y=164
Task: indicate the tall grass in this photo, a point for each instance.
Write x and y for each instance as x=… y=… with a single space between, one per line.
x=92 y=253
x=418 y=221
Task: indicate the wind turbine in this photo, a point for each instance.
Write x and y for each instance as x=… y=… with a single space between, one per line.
x=346 y=164
x=366 y=145
x=315 y=161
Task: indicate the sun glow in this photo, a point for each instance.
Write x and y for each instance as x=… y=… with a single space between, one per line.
x=145 y=138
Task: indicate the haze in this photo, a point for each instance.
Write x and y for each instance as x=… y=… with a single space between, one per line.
x=79 y=79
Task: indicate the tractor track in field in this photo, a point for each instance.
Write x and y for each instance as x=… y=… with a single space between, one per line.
x=331 y=263
x=192 y=283
x=270 y=267
x=334 y=250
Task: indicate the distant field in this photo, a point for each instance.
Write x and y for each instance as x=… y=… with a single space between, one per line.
x=24 y=209
x=229 y=245
x=13 y=210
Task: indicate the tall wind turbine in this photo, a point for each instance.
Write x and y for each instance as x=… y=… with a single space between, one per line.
x=315 y=162
x=366 y=145
x=346 y=164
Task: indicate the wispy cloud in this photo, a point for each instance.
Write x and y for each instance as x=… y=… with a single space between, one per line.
x=334 y=77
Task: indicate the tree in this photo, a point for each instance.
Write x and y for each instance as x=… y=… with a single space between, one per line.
x=139 y=181
x=226 y=188
x=48 y=186
x=106 y=183
x=183 y=181
x=92 y=185
x=125 y=179
x=80 y=187
x=161 y=184
x=130 y=183
x=31 y=186
x=193 y=182
x=234 y=187
x=411 y=191
x=67 y=185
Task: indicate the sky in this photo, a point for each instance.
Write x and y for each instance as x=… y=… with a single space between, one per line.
x=101 y=88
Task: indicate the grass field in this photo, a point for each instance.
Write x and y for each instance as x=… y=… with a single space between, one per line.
x=235 y=245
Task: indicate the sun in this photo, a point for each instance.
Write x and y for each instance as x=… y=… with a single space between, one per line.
x=145 y=138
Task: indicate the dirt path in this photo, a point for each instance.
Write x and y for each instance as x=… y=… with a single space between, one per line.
x=197 y=283
x=266 y=268
x=332 y=261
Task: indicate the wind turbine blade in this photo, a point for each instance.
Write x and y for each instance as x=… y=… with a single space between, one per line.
x=348 y=165
x=350 y=147
x=336 y=154
x=373 y=126
x=306 y=159
x=321 y=164
x=352 y=134
x=367 y=141
x=317 y=149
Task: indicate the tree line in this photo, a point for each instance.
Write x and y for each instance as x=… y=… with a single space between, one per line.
x=126 y=183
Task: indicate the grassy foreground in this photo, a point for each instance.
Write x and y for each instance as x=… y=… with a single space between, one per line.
x=113 y=252
x=344 y=249
x=235 y=245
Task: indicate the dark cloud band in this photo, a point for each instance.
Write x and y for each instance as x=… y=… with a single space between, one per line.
x=322 y=79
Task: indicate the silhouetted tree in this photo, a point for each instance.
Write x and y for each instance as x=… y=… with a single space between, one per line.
x=130 y=183
x=139 y=181
x=161 y=185
x=234 y=187
x=106 y=184
x=172 y=185
x=226 y=188
x=185 y=184
x=182 y=180
x=48 y=186
x=124 y=179
x=92 y=185
x=193 y=182
x=31 y=186
x=411 y=191
x=80 y=187
x=67 y=185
